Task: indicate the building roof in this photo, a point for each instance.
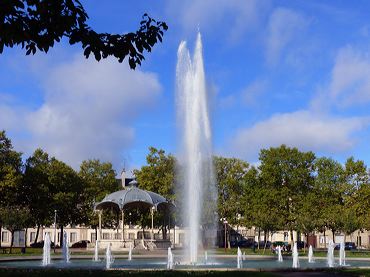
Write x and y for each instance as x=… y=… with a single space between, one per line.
x=133 y=197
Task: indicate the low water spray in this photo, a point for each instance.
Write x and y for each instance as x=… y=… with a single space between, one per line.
x=311 y=258
x=295 y=256
x=239 y=259
x=108 y=258
x=342 y=255
x=96 y=252
x=46 y=251
x=130 y=252
x=330 y=255
x=169 y=258
x=280 y=256
x=65 y=250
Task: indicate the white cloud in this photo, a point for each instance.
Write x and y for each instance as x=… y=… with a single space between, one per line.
x=88 y=110
x=253 y=91
x=234 y=16
x=303 y=129
x=349 y=83
x=283 y=27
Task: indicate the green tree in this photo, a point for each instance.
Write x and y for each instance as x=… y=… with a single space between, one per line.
x=66 y=192
x=329 y=187
x=14 y=218
x=38 y=24
x=289 y=172
x=230 y=173
x=157 y=176
x=99 y=179
x=10 y=174
x=36 y=189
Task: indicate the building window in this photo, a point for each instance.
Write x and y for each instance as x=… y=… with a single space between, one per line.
x=131 y=235
x=4 y=236
x=106 y=236
x=72 y=237
x=32 y=236
x=286 y=236
x=58 y=237
x=93 y=237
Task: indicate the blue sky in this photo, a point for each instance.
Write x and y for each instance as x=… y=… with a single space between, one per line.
x=293 y=72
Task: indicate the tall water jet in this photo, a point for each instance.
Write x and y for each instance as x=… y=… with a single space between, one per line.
x=96 y=251
x=295 y=256
x=311 y=259
x=330 y=255
x=342 y=255
x=65 y=249
x=108 y=257
x=169 y=258
x=196 y=149
x=280 y=256
x=130 y=252
x=239 y=259
x=46 y=250
x=205 y=257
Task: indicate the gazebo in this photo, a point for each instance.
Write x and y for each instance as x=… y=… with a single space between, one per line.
x=129 y=198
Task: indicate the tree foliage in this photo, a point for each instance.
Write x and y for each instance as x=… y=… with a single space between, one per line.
x=99 y=179
x=38 y=24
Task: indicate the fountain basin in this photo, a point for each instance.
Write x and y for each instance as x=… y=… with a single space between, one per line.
x=160 y=263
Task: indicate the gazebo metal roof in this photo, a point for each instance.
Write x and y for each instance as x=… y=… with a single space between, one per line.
x=133 y=197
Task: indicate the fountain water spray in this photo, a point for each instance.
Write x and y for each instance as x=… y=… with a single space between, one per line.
x=196 y=149
x=295 y=256
x=46 y=250
x=280 y=256
x=65 y=249
x=108 y=258
x=130 y=252
x=240 y=259
x=96 y=252
x=169 y=258
x=311 y=259
x=330 y=255
x=205 y=257
x=342 y=255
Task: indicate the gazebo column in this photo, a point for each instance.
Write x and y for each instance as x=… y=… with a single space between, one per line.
x=169 y=227
x=152 y=212
x=123 y=225
x=100 y=215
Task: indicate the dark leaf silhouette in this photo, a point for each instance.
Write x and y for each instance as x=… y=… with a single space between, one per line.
x=37 y=24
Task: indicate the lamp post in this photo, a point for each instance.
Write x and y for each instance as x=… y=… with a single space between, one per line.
x=224 y=221
x=238 y=216
x=55 y=229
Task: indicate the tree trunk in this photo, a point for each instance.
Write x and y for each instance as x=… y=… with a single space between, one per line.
x=291 y=238
x=259 y=238
x=265 y=240
x=333 y=231
x=228 y=237
x=25 y=240
x=61 y=237
x=96 y=233
x=37 y=233
x=0 y=234
x=305 y=243
x=324 y=238
x=11 y=242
